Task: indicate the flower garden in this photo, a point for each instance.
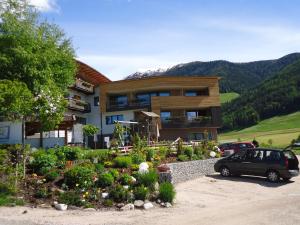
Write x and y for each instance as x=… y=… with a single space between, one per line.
x=85 y=178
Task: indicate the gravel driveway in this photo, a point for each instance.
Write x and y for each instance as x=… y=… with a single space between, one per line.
x=208 y=200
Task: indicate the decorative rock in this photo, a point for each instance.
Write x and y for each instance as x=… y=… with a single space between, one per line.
x=138 y=203
x=120 y=205
x=104 y=195
x=44 y=206
x=133 y=179
x=90 y=209
x=143 y=167
x=128 y=207
x=156 y=186
x=61 y=207
x=168 y=205
x=158 y=201
x=162 y=204
x=212 y=154
x=126 y=187
x=148 y=205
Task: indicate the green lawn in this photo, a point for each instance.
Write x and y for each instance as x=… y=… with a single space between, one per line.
x=227 y=97
x=280 y=129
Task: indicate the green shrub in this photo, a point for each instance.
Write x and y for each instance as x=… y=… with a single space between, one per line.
x=125 y=179
x=108 y=203
x=79 y=176
x=114 y=173
x=52 y=175
x=123 y=161
x=150 y=154
x=100 y=155
x=41 y=193
x=70 y=198
x=7 y=200
x=183 y=158
x=147 y=179
x=138 y=158
x=167 y=192
x=188 y=151
x=108 y=164
x=105 y=180
x=141 y=193
x=43 y=162
x=134 y=167
x=119 y=193
x=5 y=189
x=99 y=168
x=163 y=152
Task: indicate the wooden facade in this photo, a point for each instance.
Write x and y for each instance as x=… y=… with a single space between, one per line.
x=177 y=102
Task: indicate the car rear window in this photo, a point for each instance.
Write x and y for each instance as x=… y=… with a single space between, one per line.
x=289 y=154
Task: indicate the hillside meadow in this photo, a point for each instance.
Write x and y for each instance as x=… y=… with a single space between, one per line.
x=278 y=130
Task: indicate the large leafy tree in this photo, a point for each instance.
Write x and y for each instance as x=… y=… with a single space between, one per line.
x=38 y=54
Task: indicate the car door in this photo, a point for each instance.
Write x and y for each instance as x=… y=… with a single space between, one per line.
x=234 y=162
x=254 y=163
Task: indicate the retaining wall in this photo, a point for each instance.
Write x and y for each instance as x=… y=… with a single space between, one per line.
x=183 y=171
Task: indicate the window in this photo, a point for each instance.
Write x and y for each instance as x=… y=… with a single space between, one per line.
x=165 y=116
x=96 y=101
x=111 y=119
x=143 y=98
x=191 y=115
x=164 y=93
x=239 y=155
x=190 y=93
x=254 y=155
x=119 y=100
x=272 y=156
x=196 y=136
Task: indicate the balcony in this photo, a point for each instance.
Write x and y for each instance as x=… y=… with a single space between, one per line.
x=79 y=105
x=184 y=122
x=121 y=106
x=84 y=86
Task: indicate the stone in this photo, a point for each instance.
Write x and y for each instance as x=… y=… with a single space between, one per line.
x=126 y=187
x=120 y=205
x=148 y=205
x=128 y=207
x=156 y=186
x=61 y=207
x=104 y=195
x=143 y=167
x=24 y=212
x=90 y=209
x=168 y=205
x=44 y=206
x=133 y=179
x=158 y=201
x=162 y=204
x=138 y=203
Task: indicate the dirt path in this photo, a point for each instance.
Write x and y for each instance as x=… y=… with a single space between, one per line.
x=207 y=200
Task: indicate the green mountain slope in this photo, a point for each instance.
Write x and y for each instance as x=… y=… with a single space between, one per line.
x=236 y=77
x=277 y=95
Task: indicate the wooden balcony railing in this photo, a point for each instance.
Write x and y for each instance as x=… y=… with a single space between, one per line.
x=84 y=86
x=184 y=122
x=79 y=105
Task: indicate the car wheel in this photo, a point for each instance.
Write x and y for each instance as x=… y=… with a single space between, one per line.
x=225 y=172
x=273 y=176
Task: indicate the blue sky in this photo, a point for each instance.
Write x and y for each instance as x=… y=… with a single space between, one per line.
x=119 y=37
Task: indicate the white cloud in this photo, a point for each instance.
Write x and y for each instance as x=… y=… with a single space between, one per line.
x=45 y=5
x=118 y=67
